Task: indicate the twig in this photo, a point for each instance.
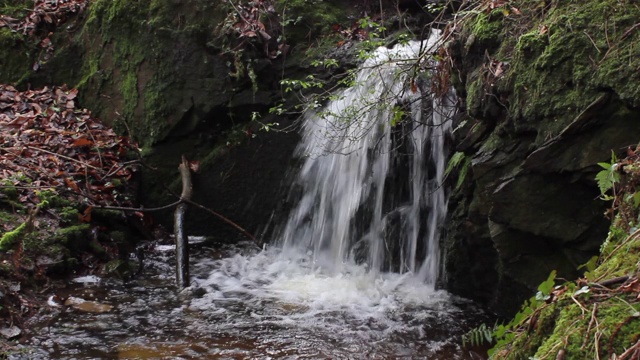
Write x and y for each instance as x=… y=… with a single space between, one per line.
x=221 y=217
x=141 y=209
x=580 y=305
x=593 y=318
x=60 y=155
x=634 y=235
x=97 y=148
x=597 y=344
x=122 y=165
x=633 y=351
x=218 y=215
x=614 y=281
x=238 y=11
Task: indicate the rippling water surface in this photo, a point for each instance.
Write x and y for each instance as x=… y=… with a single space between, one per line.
x=247 y=303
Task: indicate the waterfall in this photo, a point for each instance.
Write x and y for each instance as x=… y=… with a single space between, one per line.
x=374 y=161
x=358 y=258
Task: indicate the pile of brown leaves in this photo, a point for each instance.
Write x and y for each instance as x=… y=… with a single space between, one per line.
x=46 y=142
x=41 y=22
x=52 y=12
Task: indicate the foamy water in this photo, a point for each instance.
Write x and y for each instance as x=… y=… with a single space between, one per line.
x=254 y=304
x=287 y=289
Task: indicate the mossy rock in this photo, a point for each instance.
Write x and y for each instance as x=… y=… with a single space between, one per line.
x=15 y=51
x=141 y=66
x=560 y=58
x=554 y=86
x=74 y=237
x=575 y=52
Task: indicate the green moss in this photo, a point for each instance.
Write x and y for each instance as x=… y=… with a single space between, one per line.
x=133 y=49
x=5 y=217
x=476 y=94
x=487 y=28
x=97 y=249
x=531 y=43
x=595 y=322
x=566 y=74
x=15 y=53
x=69 y=215
x=53 y=199
x=561 y=58
x=620 y=258
x=72 y=236
x=11 y=238
x=16 y=8
x=33 y=243
x=129 y=88
x=90 y=69
x=154 y=126
x=616 y=330
x=9 y=190
x=569 y=329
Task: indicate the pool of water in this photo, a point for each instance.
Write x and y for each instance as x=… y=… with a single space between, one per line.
x=250 y=303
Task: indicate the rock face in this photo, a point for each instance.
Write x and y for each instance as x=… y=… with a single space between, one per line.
x=544 y=104
x=182 y=78
x=153 y=69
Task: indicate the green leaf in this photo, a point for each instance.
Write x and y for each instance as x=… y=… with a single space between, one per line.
x=636 y=199
x=590 y=265
x=398 y=114
x=548 y=284
x=463 y=173
x=605 y=180
x=454 y=162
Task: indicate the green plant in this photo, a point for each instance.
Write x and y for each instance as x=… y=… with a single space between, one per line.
x=589 y=267
x=458 y=159
x=478 y=336
x=505 y=334
x=608 y=177
x=266 y=127
x=374 y=38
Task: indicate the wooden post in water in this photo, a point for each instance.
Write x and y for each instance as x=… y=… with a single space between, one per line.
x=182 y=243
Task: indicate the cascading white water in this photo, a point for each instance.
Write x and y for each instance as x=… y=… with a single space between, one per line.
x=346 y=213
x=357 y=261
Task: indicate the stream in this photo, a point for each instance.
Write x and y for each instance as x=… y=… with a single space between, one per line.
x=249 y=303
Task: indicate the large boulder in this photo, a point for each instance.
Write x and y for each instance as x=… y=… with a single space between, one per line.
x=548 y=94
